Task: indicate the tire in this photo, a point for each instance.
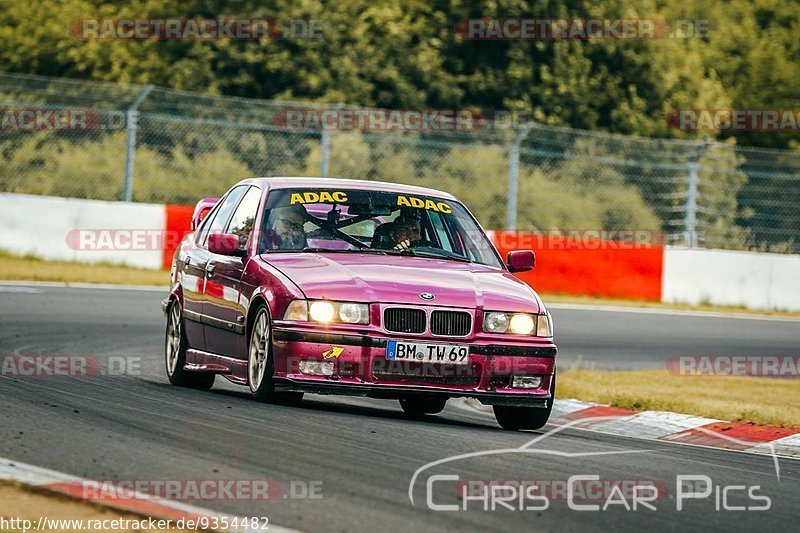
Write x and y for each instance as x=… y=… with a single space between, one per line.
x=260 y=365
x=175 y=346
x=516 y=418
x=416 y=407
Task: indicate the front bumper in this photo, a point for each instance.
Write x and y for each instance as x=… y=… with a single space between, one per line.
x=361 y=368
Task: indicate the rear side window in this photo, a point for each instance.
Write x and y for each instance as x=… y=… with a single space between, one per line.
x=218 y=219
x=241 y=223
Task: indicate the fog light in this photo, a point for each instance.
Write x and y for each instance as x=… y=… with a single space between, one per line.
x=526 y=382
x=317 y=368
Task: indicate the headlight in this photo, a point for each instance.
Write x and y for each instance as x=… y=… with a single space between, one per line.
x=321 y=311
x=495 y=322
x=350 y=313
x=521 y=324
x=326 y=312
x=518 y=324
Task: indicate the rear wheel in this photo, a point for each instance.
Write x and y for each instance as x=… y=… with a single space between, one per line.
x=516 y=418
x=175 y=347
x=422 y=406
x=260 y=364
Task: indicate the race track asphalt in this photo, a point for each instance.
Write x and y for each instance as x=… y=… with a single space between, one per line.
x=363 y=453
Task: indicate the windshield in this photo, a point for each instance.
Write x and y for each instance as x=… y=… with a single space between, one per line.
x=353 y=220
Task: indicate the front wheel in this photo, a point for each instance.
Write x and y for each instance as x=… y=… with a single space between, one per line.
x=422 y=406
x=260 y=365
x=175 y=347
x=516 y=418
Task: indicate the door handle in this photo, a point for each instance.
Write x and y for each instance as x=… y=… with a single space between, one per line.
x=210 y=268
x=187 y=261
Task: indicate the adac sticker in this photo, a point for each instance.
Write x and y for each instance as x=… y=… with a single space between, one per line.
x=321 y=197
x=419 y=203
x=335 y=351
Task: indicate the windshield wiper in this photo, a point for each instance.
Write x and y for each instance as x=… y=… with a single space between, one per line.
x=368 y=250
x=318 y=249
x=311 y=249
x=442 y=254
x=410 y=252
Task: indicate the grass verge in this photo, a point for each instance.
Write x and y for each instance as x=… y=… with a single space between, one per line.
x=28 y=503
x=750 y=400
x=29 y=268
x=590 y=300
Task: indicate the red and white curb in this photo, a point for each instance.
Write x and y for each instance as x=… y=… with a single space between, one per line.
x=139 y=503
x=670 y=427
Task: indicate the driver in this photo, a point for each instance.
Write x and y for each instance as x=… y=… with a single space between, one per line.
x=287 y=228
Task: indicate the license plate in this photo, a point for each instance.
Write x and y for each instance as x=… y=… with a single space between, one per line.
x=423 y=352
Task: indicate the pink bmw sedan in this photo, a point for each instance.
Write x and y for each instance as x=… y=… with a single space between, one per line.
x=332 y=286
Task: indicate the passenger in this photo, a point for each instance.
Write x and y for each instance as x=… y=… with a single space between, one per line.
x=405 y=232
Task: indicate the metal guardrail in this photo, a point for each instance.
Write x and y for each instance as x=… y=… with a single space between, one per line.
x=151 y=144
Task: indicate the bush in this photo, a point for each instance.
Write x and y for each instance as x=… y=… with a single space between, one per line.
x=52 y=165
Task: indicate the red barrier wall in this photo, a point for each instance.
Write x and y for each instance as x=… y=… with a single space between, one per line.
x=179 y=223
x=589 y=268
x=583 y=267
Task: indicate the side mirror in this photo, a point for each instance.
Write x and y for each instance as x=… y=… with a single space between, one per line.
x=224 y=244
x=521 y=260
x=201 y=210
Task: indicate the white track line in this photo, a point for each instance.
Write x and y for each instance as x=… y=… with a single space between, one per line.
x=48 y=479
x=75 y=285
x=670 y=312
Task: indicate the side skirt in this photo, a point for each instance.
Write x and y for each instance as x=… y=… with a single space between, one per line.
x=235 y=370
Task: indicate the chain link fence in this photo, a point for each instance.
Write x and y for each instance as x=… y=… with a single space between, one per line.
x=149 y=144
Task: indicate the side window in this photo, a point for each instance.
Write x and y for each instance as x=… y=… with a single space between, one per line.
x=202 y=231
x=221 y=214
x=241 y=223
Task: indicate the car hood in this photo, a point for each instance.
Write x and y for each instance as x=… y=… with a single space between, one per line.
x=401 y=279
